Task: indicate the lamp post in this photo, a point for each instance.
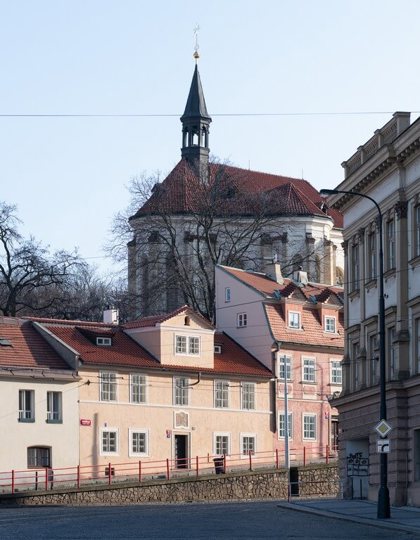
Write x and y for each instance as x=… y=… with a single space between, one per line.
x=383 y=509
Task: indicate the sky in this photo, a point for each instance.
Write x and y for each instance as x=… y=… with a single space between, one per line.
x=293 y=87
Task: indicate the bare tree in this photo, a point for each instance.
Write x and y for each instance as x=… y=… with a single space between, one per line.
x=27 y=269
x=188 y=224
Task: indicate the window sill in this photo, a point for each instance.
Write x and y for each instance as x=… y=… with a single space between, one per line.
x=26 y=420
x=308 y=382
x=354 y=294
x=54 y=421
x=389 y=273
x=415 y=261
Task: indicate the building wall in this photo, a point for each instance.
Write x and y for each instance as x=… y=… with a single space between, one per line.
x=62 y=438
x=160 y=417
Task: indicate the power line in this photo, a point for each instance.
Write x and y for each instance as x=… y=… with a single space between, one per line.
x=177 y=115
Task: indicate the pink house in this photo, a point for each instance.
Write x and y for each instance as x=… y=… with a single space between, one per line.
x=295 y=329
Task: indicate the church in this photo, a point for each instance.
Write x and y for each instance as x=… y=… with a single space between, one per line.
x=206 y=212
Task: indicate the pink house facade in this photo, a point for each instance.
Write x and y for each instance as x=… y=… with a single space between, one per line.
x=296 y=330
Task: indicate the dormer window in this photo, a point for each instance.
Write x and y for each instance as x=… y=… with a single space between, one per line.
x=188 y=345
x=294 y=319
x=330 y=324
x=104 y=341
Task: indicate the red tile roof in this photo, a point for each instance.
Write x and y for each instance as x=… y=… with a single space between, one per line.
x=27 y=348
x=125 y=352
x=153 y=320
x=181 y=192
x=312 y=332
x=267 y=287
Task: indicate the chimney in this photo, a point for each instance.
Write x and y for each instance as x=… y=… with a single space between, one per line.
x=274 y=271
x=301 y=276
x=111 y=316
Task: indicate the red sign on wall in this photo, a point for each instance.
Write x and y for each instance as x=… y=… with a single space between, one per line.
x=85 y=422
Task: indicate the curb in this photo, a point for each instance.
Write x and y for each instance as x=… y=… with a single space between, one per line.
x=397 y=526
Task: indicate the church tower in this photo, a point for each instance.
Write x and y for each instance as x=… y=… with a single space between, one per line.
x=195 y=124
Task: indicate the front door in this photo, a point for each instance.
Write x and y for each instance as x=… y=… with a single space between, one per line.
x=181 y=452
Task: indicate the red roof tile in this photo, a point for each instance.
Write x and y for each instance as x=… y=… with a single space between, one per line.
x=27 y=347
x=181 y=192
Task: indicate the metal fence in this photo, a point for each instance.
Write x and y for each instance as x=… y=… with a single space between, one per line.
x=144 y=470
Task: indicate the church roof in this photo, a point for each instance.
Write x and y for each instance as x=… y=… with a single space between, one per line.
x=182 y=192
x=196 y=104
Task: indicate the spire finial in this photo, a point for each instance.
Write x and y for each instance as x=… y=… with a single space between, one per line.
x=196 y=46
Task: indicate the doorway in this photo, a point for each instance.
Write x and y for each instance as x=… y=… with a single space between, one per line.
x=181 y=452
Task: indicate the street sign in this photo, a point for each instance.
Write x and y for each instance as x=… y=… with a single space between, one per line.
x=384 y=446
x=383 y=428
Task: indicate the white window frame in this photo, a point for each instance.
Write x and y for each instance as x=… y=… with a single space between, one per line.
x=390 y=244
x=293 y=319
x=250 y=396
x=26 y=410
x=54 y=414
x=228 y=294
x=416 y=218
x=221 y=394
x=217 y=434
x=187 y=345
x=112 y=391
x=103 y=341
x=242 y=437
x=142 y=388
x=285 y=362
x=117 y=441
x=372 y=260
x=417 y=345
x=308 y=369
x=336 y=372
x=281 y=433
x=133 y=431
x=313 y=419
x=182 y=397
x=330 y=328
x=242 y=320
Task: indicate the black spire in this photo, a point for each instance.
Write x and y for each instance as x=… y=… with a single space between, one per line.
x=195 y=124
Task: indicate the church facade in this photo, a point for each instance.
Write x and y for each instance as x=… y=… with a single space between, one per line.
x=206 y=213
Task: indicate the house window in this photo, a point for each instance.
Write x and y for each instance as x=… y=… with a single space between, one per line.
x=137 y=388
x=355 y=361
x=181 y=391
x=330 y=324
x=221 y=394
x=241 y=320
x=222 y=444
x=282 y=425
x=372 y=255
x=373 y=358
x=248 y=444
x=336 y=372
x=309 y=427
x=416 y=435
x=39 y=456
x=354 y=268
x=309 y=370
x=417 y=344
x=109 y=441
x=138 y=443
x=285 y=363
x=417 y=231
x=26 y=406
x=181 y=344
x=187 y=345
x=103 y=341
x=391 y=347
x=54 y=407
x=227 y=294
x=294 y=319
x=390 y=239
x=248 y=396
x=108 y=381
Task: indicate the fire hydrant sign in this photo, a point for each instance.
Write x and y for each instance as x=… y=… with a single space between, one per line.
x=383 y=446
x=383 y=428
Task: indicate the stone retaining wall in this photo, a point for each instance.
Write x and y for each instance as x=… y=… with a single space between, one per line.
x=319 y=480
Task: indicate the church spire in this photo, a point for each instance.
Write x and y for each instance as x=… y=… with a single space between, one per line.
x=195 y=122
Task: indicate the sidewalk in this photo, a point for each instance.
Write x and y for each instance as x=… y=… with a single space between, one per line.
x=404 y=518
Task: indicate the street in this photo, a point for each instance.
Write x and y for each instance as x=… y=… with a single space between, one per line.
x=179 y=521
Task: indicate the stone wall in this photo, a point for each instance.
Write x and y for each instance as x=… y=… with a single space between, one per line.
x=319 y=480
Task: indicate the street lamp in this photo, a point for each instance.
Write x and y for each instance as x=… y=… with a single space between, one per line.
x=383 y=509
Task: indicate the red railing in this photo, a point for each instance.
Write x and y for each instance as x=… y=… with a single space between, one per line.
x=138 y=471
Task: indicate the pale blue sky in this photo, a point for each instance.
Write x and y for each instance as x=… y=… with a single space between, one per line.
x=68 y=175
